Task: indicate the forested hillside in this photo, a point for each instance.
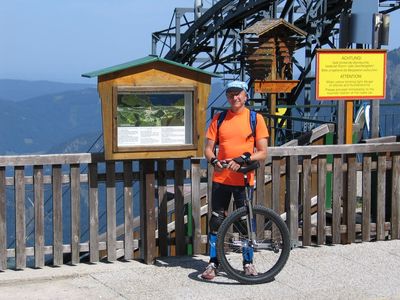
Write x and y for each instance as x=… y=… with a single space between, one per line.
x=393 y=75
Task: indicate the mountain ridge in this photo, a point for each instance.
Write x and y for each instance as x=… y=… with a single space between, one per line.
x=38 y=124
x=19 y=90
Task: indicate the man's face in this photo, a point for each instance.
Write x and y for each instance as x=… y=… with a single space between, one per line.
x=236 y=99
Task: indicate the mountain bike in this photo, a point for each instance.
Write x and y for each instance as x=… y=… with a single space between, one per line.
x=255 y=232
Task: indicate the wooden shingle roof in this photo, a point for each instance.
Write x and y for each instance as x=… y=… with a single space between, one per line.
x=266 y=25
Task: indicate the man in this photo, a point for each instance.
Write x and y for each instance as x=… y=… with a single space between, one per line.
x=237 y=146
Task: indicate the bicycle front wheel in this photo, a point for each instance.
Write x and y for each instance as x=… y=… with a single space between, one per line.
x=267 y=248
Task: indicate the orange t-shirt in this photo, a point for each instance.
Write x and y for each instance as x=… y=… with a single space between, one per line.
x=235 y=138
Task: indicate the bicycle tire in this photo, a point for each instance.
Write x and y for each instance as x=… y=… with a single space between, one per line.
x=269 y=255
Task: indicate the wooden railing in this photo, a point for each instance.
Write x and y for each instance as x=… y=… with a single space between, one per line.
x=378 y=165
x=294 y=183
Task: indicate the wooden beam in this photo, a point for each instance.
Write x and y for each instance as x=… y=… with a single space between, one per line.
x=333 y=149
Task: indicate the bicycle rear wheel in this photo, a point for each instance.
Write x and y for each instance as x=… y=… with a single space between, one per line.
x=270 y=248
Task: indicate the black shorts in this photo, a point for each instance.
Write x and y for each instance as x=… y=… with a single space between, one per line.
x=222 y=194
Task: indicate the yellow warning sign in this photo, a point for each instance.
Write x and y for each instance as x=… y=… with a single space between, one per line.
x=352 y=74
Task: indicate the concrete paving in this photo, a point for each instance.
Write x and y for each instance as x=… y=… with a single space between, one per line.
x=357 y=271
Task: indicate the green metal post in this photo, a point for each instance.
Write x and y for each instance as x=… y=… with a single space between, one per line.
x=329 y=160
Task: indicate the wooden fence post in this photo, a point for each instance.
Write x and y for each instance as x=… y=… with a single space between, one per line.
x=196 y=205
x=306 y=196
x=57 y=216
x=276 y=184
x=147 y=215
x=20 y=231
x=128 y=217
x=260 y=185
x=179 y=208
x=162 y=208
x=366 y=198
x=395 y=218
x=351 y=198
x=75 y=212
x=381 y=194
x=39 y=215
x=93 y=213
x=337 y=198
x=111 y=212
x=292 y=198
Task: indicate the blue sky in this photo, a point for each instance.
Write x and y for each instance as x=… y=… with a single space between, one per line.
x=58 y=40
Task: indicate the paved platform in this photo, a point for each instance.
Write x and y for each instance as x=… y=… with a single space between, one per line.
x=357 y=271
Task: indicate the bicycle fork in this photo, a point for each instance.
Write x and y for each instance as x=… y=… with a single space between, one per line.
x=248 y=247
x=251 y=226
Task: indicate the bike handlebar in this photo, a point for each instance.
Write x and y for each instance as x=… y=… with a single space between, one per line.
x=252 y=165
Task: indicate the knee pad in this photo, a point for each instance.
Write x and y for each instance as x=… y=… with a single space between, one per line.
x=217 y=217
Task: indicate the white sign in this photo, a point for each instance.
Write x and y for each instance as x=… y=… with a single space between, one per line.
x=145 y=136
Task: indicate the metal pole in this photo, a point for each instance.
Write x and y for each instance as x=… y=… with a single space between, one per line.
x=177 y=30
x=153 y=45
x=376 y=23
x=343 y=41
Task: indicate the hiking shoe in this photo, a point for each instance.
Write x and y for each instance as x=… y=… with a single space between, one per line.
x=210 y=272
x=250 y=270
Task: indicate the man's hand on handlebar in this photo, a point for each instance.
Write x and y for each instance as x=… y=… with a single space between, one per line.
x=217 y=164
x=242 y=159
x=234 y=164
x=224 y=164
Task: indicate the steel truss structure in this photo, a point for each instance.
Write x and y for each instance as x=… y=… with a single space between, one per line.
x=212 y=41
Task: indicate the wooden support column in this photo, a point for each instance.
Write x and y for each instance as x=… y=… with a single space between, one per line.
x=272 y=104
x=147 y=215
x=196 y=206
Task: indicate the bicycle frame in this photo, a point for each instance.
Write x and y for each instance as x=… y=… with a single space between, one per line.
x=249 y=204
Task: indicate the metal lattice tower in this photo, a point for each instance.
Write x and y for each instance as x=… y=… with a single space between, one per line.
x=210 y=39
